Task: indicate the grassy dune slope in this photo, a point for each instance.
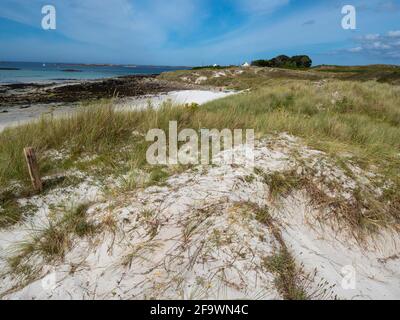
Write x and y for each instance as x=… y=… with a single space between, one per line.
x=351 y=121
x=354 y=184
x=244 y=78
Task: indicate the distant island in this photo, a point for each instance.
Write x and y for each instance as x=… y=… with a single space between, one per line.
x=88 y=64
x=71 y=70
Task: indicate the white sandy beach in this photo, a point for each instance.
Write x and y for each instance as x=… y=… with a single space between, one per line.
x=16 y=116
x=175 y=97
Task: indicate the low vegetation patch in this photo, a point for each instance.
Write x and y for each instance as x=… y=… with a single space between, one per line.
x=11 y=212
x=339 y=117
x=50 y=244
x=288 y=277
x=364 y=212
x=292 y=282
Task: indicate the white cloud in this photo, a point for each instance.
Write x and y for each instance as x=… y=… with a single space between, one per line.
x=117 y=13
x=384 y=46
x=119 y=25
x=356 y=49
x=390 y=6
x=140 y=31
x=261 y=6
x=394 y=34
x=372 y=36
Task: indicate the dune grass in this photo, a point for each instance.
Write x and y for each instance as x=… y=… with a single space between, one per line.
x=256 y=77
x=93 y=130
x=52 y=242
x=288 y=277
x=243 y=78
x=339 y=117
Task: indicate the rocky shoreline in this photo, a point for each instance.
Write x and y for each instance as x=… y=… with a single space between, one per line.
x=28 y=94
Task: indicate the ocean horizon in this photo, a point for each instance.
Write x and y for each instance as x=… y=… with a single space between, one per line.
x=43 y=72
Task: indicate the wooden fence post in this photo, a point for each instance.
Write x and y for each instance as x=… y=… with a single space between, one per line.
x=33 y=168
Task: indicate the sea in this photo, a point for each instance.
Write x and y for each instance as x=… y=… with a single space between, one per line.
x=34 y=72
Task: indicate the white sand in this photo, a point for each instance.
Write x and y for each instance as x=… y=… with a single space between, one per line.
x=176 y=97
x=16 y=116
x=207 y=244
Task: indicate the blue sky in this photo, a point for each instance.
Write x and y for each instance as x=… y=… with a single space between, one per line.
x=197 y=32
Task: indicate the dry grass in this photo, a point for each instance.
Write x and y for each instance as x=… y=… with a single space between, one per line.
x=242 y=78
x=256 y=77
x=361 y=119
x=363 y=214
x=50 y=244
x=11 y=212
x=287 y=275
x=290 y=279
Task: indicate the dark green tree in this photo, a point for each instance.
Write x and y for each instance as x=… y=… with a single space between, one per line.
x=283 y=61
